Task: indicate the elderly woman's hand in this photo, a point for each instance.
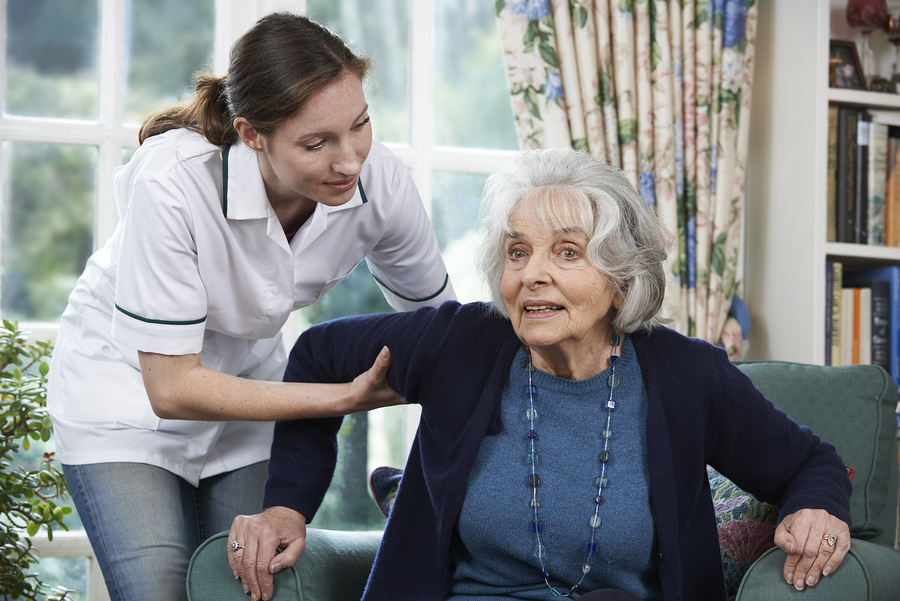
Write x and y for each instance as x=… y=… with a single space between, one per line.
x=253 y=547
x=804 y=536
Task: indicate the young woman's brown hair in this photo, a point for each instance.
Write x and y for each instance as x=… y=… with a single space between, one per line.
x=274 y=68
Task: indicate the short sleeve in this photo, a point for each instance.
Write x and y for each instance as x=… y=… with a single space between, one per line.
x=407 y=262
x=161 y=301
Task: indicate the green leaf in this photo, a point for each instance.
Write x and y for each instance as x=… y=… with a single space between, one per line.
x=32 y=528
x=44 y=368
x=581 y=17
x=717 y=260
x=627 y=131
x=531 y=101
x=548 y=53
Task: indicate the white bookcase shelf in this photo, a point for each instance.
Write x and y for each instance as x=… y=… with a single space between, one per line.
x=787 y=184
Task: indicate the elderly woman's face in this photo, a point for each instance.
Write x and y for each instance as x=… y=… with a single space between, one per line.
x=554 y=296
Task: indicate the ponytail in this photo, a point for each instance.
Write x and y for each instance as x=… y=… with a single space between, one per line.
x=206 y=113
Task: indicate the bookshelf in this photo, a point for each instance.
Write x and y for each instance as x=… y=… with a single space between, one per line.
x=786 y=247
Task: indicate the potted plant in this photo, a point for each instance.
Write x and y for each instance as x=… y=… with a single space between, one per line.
x=28 y=495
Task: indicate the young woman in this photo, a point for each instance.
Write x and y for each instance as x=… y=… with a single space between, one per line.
x=254 y=199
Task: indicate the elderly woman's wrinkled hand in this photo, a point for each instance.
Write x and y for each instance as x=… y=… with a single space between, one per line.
x=816 y=543
x=253 y=547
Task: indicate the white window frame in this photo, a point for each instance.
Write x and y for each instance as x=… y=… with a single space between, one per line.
x=111 y=138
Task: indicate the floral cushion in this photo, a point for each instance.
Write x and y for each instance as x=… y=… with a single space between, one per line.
x=746 y=528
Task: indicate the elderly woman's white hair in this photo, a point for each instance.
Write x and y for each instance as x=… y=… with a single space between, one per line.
x=628 y=243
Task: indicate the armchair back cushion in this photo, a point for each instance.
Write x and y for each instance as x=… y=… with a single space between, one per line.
x=852 y=407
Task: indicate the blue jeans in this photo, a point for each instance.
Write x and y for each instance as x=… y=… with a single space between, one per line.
x=144 y=522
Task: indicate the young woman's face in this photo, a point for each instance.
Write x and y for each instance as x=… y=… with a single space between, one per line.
x=318 y=153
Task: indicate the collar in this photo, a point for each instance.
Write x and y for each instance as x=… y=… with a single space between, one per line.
x=244 y=192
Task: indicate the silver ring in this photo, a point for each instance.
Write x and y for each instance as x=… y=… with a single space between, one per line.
x=830 y=538
x=236 y=545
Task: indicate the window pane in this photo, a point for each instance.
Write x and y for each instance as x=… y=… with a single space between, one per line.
x=379 y=30
x=70 y=572
x=47 y=226
x=167 y=41
x=51 y=59
x=455 y=206
x=471 y=102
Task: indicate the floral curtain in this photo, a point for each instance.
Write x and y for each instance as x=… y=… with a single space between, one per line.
x=661 y=89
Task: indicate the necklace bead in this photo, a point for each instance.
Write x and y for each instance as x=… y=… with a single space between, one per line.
x=601 y=482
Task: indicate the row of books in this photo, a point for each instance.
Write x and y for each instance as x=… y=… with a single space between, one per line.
x=862 y=317
x=863 y=176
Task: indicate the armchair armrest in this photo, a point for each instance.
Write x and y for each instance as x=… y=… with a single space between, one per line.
x=334 y=567
x=869 y=572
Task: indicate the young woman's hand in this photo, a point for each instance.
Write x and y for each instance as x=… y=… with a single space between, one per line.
x=370 y=390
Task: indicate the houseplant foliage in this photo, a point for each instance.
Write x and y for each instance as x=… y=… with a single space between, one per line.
x=27 y=494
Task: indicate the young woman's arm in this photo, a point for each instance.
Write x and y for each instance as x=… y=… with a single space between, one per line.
x=179 y=387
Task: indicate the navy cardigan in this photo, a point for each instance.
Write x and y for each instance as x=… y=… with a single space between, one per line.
x=454 y=361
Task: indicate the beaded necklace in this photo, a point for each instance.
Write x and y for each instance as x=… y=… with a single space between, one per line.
x=601 y=482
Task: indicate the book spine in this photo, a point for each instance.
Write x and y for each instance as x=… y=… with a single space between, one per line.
x=847 y=326
x=837 y=286
x=865 y=325
x=831 y=235
x=829 y=285
x=877 y=182
x=856 y=315
x=846 y=174
x=892 y=190
x=861 y=192
x=881 y=323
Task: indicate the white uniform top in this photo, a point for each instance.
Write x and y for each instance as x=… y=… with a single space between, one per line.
x=200 y=263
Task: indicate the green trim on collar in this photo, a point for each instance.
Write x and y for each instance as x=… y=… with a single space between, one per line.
x=162 y=321
x=361 y=191
x=225 y=180
x=414 y=300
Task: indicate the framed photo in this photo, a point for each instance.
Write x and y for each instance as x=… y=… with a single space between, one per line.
x=844 y=70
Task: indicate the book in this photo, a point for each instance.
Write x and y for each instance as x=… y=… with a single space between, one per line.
x=829 y=330
x=881 y=323
x=877 y=173
x=891 y=275
x=837 y=286
x=861 y=193
x=846 y=174
x=831 y=209
x=849 y=335
x=862 y=298
x=892 y=189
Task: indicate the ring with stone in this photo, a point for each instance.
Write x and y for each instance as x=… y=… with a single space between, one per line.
x=236 y=545
x=830 y=538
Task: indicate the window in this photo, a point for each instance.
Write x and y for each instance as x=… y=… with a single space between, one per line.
x=80 y=76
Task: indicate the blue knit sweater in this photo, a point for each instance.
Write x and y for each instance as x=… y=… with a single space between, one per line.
x=454 y=361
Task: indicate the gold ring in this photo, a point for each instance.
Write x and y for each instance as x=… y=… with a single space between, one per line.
x=236 y=545
x=830 y=538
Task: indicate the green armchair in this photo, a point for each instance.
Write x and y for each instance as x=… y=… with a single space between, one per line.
x=851 y=407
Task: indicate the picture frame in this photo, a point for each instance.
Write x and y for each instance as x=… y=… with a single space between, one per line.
x=844 y=69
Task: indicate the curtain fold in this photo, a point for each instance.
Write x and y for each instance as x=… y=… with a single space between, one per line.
x=661 y=89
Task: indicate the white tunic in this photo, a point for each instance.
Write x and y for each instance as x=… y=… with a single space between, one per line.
x=199 y=263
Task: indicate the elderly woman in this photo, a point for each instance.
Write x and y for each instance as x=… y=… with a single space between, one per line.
x=564 y=432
